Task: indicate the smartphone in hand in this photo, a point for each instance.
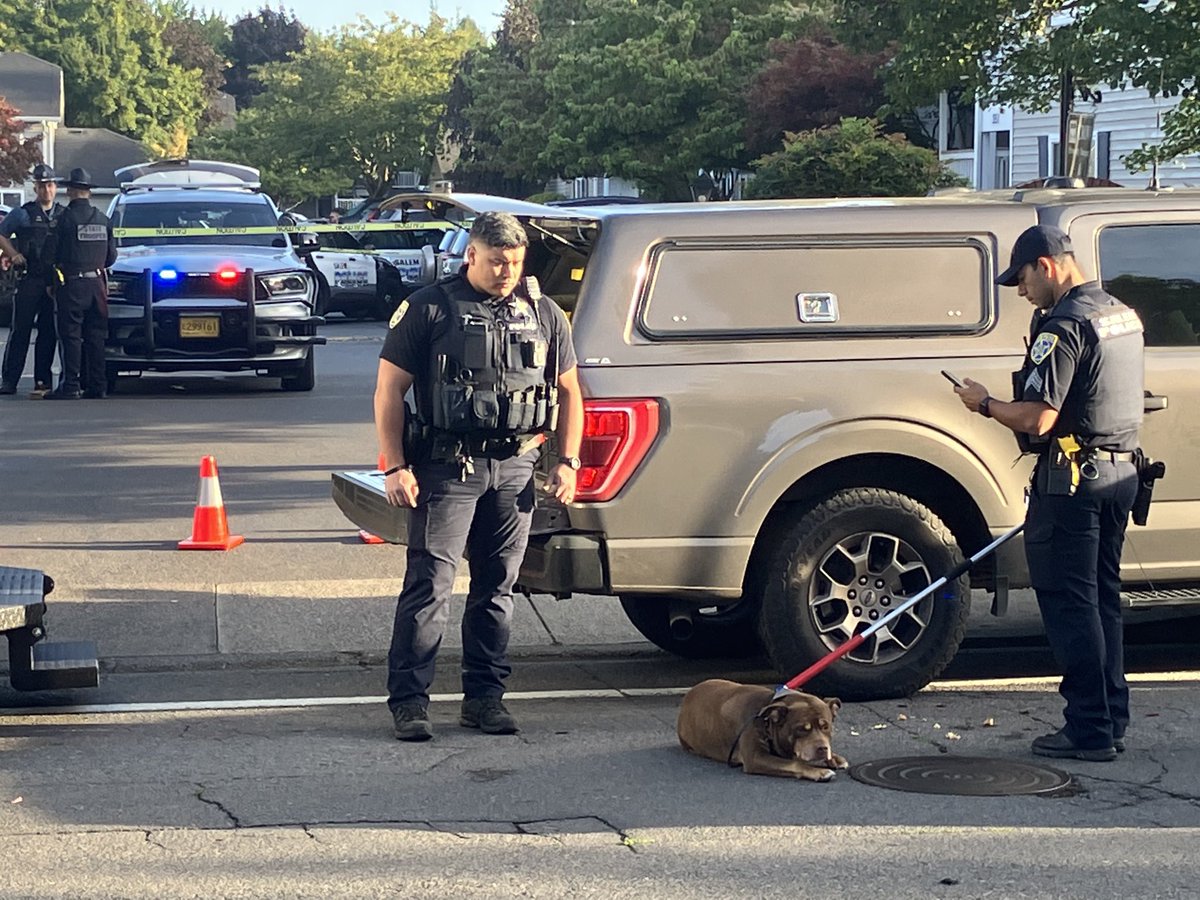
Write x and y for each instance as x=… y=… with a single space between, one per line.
x=953 y=379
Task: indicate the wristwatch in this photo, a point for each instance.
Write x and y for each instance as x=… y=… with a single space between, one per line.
x=571 y=462
x=984 y=409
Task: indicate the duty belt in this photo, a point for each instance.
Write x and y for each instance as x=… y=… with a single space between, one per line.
x=1108 y=455
x=447 y=447
x=90 y=273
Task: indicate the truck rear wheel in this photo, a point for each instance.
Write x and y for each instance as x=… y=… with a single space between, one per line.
x=841 y=567
x=729 y=632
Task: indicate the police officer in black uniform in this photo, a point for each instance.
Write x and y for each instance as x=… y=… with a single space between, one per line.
x=33 y=225
x=84 y=249
x=1078 y=405
x=491 y=365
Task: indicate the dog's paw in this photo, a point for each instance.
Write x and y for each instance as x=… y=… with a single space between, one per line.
x=825 y=776
x=839 y=762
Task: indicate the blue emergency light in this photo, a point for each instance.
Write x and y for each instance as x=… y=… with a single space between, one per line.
x=168 y=274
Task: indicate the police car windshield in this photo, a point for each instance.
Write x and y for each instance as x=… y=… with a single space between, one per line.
x=216 y=213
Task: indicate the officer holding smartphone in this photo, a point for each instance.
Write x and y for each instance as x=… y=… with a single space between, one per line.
x=1078 y=406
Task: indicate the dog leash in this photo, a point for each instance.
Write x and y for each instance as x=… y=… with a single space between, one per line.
x=861 y=636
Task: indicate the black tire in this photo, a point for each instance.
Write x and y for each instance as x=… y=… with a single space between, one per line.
x=305 y=377
x=322 y=307
x=816 y=597
x=728 y=633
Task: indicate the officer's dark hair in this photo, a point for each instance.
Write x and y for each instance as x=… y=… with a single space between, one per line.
x=499 y=230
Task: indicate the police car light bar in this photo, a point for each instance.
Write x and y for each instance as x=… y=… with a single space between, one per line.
x=127 y=186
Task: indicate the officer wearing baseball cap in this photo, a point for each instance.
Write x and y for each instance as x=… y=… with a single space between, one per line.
x=1078 y=406
x=33 y=226
x=83 y=250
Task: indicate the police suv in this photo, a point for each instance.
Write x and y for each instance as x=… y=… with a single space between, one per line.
x=202 y=283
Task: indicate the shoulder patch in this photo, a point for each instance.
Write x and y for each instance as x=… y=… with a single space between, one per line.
x=398 y=314
x=1042 y=347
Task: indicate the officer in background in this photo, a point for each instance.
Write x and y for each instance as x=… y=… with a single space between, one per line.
x=1078 y=405
x=491 y=365
x=83 y=250
x=33 y=225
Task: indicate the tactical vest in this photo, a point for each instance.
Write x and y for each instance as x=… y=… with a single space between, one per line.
x=33 y=240
x=1112 y=408
x=493 y=371
x=85 y=243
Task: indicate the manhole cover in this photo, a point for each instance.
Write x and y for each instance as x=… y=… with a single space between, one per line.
x=971 y=776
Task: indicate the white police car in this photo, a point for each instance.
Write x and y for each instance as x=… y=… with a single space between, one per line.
x=357 y=283
x=202 y=282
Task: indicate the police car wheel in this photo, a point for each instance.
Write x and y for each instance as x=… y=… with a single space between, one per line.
x=304 y=378
x=842 y=566
x=725 y=632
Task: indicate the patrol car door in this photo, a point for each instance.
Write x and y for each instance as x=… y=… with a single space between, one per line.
x=1150 y=261
x=347 y=271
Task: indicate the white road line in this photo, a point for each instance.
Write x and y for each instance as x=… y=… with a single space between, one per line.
x=1191 y=677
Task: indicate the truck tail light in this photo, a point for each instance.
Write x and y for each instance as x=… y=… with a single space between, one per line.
x=616 y=437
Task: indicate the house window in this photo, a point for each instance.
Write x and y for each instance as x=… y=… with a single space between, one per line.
x=960 y=123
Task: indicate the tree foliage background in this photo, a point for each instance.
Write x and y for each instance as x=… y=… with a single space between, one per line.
x=1014 y=52
x=17 y=156
x=382 y=91
x=854 y=158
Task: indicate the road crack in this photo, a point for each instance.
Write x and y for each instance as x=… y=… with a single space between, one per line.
x=218 y=804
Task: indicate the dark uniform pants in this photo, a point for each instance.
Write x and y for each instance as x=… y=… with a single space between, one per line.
x=83 y=328
x=1073 y=546
x=31 y=302
x=489 y=516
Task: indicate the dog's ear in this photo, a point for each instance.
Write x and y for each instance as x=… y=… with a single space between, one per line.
x=774 y=713
x=834 y=705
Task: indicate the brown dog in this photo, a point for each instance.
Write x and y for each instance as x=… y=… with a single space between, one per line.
x=744 y=725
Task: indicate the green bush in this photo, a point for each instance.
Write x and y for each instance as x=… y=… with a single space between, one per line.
x=851 y=159
x=544 y=196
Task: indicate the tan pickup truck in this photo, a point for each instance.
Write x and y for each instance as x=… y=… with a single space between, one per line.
x=772 y=457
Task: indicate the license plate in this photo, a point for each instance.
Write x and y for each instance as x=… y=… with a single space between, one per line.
x=199 y=326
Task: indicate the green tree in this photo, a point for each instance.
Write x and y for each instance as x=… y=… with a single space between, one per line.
x=360 y=104
x=492 y=113
x=267 y=36
x=17 y=154
x=194 y=42
x=653 y=90
x=854 y=158
x=117 y=71
x=648 y=90
x=1015 y=53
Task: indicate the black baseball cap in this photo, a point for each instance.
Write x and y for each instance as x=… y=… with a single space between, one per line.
x=1032 y=245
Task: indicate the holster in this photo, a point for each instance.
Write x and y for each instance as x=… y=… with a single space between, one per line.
x=418 y=439
x=1149 y=471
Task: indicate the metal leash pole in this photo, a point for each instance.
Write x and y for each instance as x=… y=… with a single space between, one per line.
x=859 y=638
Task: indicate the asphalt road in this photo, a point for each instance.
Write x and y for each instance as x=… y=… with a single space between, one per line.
x=258 y=778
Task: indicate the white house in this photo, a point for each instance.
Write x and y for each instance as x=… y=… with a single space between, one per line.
x=35 y=88
x=1000 y=147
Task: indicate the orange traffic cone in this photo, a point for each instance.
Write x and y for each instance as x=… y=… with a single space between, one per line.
x=363 y=535
x=210 y=530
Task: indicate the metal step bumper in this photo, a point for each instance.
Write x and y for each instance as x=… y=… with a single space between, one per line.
x=36 y=664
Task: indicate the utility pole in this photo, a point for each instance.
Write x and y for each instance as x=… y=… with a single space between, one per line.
x=1066 y=100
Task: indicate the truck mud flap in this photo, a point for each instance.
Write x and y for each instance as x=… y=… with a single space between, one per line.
x=360 y=497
